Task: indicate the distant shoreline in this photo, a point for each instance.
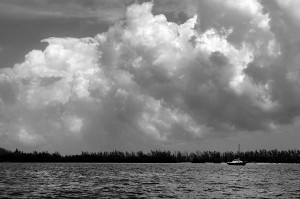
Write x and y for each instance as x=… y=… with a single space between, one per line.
x=262 y=163
x=154 y=156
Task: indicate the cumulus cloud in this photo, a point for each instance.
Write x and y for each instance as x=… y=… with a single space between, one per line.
x=148 y=82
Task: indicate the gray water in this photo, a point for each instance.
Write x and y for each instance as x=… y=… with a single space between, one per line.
x=80 y=180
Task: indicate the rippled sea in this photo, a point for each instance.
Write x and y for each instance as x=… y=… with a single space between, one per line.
x=182 y=180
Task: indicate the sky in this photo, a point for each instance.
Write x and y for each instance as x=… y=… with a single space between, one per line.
x=130 y=75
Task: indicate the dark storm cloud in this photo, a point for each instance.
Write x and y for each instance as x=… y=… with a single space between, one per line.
x=99 y=10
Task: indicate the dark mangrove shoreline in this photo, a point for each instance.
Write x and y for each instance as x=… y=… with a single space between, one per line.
x=154 y=156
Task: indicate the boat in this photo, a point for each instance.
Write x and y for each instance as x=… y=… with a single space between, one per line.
x=237 y=161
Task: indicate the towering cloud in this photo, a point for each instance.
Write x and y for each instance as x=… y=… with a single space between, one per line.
x=148 y=82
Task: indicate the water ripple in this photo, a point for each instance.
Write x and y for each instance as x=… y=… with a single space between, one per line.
x=78 y=180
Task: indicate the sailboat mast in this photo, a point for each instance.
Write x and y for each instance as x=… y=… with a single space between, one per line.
x=239 y=149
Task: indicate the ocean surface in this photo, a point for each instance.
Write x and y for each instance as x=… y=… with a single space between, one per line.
x=182 y=180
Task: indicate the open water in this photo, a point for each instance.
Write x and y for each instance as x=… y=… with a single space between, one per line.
x=183 y=180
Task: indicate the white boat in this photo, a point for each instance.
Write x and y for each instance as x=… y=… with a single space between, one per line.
x=237 y=161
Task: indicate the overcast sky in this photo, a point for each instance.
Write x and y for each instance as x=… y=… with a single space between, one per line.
x=131 y=75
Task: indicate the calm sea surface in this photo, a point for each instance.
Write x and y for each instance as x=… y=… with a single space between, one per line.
x=80 y=180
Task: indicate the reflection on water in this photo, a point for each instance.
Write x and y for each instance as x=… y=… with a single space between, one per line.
x=79 y=180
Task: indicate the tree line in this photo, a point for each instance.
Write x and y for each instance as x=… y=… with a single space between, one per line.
x=154 y=156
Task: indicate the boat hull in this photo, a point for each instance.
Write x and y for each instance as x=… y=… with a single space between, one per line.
x=237 y=163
